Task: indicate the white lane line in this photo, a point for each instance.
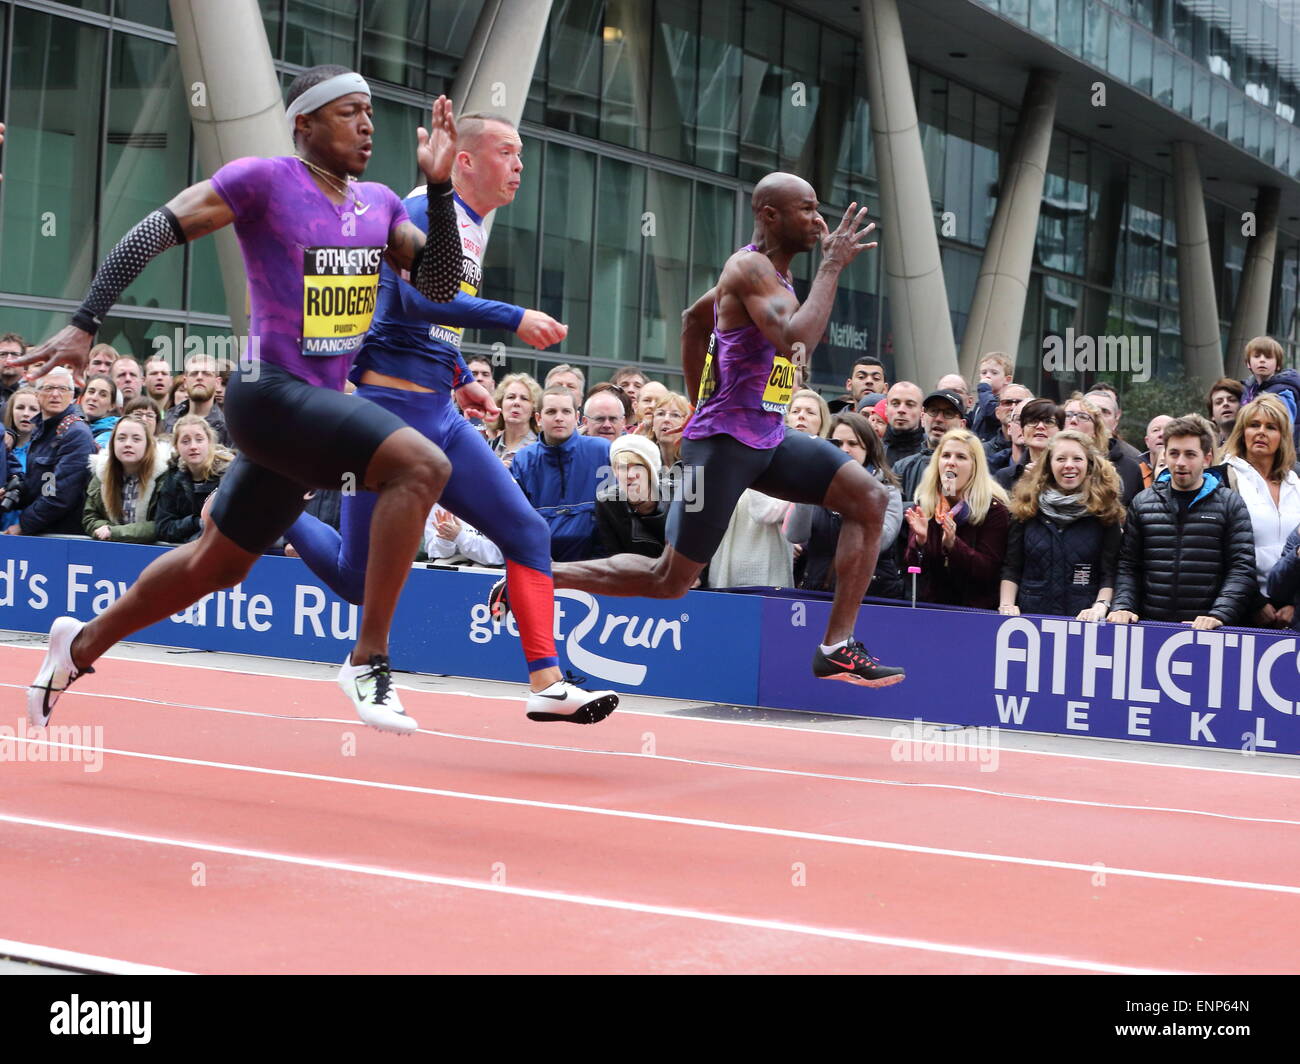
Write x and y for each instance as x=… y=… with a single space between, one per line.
x=596 y=902
x=82 y=962
x=787 y=727
x=730 y=765
x=664 y=818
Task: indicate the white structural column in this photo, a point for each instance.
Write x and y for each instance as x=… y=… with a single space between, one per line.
x=924 y=348
x=1250 y=316
x=1198 y=313
x=998 y=307
x=235 y=105
x=499 y=64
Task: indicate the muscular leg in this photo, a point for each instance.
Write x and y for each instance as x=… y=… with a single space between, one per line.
x=409 y=473
x=174 y=581
x=860 y=501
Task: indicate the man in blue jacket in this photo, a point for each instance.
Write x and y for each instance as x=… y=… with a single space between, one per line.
x=560 y=474
x=54 y=487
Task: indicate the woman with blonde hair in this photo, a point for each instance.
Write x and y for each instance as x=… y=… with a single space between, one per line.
x=1259 y=455
x=1063 y=544
x=958 y=529
x=122 y=499
x=518 y=397
x=195 y=473
x=809 y=414
x=666 y=423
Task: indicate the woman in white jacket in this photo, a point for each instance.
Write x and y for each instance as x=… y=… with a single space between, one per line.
x=1259 y=454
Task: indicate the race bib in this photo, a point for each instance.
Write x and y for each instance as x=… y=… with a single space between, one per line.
x=708 y=382
x=780 y=386
x=338 y=298
x=452 y=334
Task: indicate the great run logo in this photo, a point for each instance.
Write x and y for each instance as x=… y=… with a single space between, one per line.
x=77 y=1017
x=612 y=630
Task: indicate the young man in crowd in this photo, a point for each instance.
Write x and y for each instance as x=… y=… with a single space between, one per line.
x=905 y=436
x=1222 y=405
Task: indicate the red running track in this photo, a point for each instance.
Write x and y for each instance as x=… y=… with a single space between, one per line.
x=267 y=839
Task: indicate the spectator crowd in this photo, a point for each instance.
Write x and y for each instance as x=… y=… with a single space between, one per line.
x=997 y=499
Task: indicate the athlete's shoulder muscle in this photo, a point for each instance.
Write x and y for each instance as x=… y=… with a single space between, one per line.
x=750 y=290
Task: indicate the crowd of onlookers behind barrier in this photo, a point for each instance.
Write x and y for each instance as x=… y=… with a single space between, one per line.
x=997 y=499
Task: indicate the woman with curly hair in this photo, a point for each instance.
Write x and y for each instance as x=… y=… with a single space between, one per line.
x=1063 y=546
x=958 y=529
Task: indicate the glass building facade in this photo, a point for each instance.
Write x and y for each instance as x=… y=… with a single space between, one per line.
x=647 y=123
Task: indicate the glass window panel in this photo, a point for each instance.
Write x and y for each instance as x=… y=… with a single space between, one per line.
x=271 y=23
x=321 y=31
x=1042 y=17
x=150 y=12
x=566 y=244
x=146 y=158
x=573 y=92
x=668 y=199
x=1201 y=99
x=1183 y=86
x=1162 y=76
x=616 y=288
x=984 y=168
x=959 y=159
x=1219 y=107
x=715 y=236
x=1281 y=144
x=675 y=66
x=1117 y=57
x=1096 y=34
x=1140 y=70
x=100 y=6
x=721 y=55
x=763 y=93
x=802 y=94
x=393 y=42
x=47 y=238
x=1236 y=119
x=510 y=262
x=451 y=24
x=625 y=86
x=1016 y=9
x=1252 y=129
x=1069 y=25
x=833 y=133
x=931 y=106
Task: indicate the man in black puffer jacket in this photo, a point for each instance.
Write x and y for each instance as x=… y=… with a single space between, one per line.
x=1189 y=550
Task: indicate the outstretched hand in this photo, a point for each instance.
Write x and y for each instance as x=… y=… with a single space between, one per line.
x=437 y=144
x=476 y=401
x=540 y=330
x=69 y=347
x=844 y=244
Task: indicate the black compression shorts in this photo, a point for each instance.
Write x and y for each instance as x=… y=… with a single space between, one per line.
x=292 y=437
x=718 y=469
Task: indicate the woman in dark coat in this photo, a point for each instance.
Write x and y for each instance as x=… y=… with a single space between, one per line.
x=1063 y=544
x=197 y=469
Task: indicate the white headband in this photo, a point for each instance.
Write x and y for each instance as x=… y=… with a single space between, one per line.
x=326 y=92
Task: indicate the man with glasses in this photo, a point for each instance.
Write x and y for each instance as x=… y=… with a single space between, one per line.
x=605 y=414
x=54 y=486
x=942 y=410
x=998 y=449
x=201 y=393
x=11 y=377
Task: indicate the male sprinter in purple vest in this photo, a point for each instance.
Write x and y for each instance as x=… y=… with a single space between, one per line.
x=737 y=438
x=312 y=240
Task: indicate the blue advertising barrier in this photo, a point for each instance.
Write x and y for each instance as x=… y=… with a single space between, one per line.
x=1233 y=689
x=704 y=647
x=1165 y=683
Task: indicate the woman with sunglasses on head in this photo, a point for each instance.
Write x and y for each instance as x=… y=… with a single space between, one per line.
x=1082 y=415
x=817 y=529
x=1036 y=421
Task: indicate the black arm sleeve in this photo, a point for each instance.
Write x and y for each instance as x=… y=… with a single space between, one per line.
x=152 y=236
x=436 y=271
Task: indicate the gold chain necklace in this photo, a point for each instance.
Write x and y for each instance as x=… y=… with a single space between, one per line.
x=343 y=188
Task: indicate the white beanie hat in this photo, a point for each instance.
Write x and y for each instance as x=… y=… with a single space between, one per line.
x=645 y=450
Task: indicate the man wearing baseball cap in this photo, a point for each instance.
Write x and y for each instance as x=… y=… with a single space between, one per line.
x=941 y=411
